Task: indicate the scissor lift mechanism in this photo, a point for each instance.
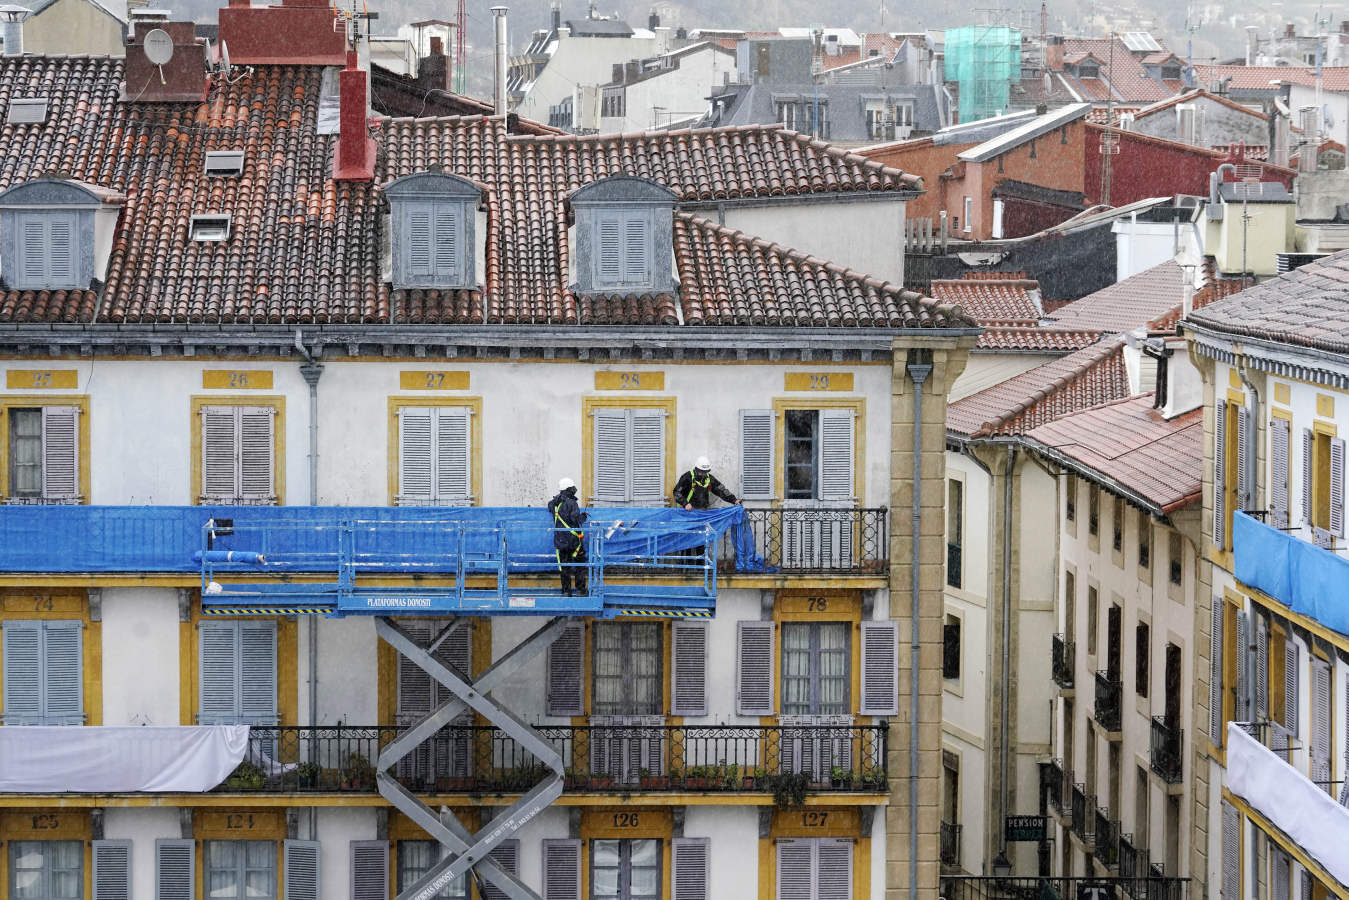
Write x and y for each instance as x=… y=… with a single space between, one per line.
x=470 y=552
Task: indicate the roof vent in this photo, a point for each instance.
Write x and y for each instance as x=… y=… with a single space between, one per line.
x=1287 y=262
x=32 y=111
x=213 y=227
x=222 y=163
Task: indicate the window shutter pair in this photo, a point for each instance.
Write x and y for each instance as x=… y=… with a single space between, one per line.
x=301 y=862
x=43 y=672
x=434 y=455
x=629 y=456
x=1220 y=476
x=1215 y=676
x=46 y=258
x=418 y=692
x=623 y=245
x=1278 y=480
x=237 y=453
x=836 y=455
x=562 y=869
x=1290 y=679
x=814 y=869
x=237 y=673
x=432 y=255
x=755 y=656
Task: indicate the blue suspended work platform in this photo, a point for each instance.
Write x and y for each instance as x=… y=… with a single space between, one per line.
x=340 y=561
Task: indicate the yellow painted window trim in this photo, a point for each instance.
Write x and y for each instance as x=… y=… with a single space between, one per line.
x=20 y=605
x=276 y=402
x=597 y=823
x=1262 y=599
x=447 y=401
x=1290 y=847
x=401 y=828
x=287 y=665
x=1284 y=414
x=859 y=438
x=803 y=606
x=79 y=401
x=205 y=829
x=72 y=825
x=591 y=403
x=841 y=823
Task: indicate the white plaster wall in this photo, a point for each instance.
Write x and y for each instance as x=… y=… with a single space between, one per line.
x=864 y=235
x=337 y=828
x=674 y=95
x=878 y=855
x=547 y=825
x=142 y=826
x=582 y=61
x=733 y=869
x=348 y=671
x=1141 y=245
x=1334 y=104
x=987 y=369
x=140 y=656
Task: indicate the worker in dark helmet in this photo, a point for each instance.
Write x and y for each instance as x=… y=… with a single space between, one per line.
x=568 y=540
x=694 y=488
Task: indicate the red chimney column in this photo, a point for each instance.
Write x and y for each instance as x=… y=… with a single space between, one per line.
x=354 y=156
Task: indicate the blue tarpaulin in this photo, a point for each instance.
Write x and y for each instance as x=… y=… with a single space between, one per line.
x=1307 y=579
x=382 y=539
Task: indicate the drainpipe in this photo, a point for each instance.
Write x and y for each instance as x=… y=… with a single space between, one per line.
x=919 y=366
x=1006 y=629
x=311 y=370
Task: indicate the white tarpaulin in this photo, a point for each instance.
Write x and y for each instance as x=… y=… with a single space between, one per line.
x=105 y=759
x=1276 y=790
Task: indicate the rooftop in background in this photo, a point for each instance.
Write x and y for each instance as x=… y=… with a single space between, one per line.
x=1135 y=302
x=1128 y=447
x=993 y=301
x=1256 y=79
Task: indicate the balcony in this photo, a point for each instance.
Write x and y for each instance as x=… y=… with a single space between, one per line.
x=1285 y=799
x=950 y=844
x=998 y=887
x=1133 y=861
x=1106 y=835
x=1292 y=571
x=1051 y=776
x=1108 y=693
x=1167 y=759
x=1273 y=737
x=816 y=541
x=1081 y=819
x=784 y=761
x=1062 y=661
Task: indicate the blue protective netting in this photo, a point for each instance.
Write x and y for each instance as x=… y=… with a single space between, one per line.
x=380 y=539
x=1309 y=579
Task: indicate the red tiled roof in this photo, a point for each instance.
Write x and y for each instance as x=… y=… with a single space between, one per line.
x=1121 y=68
x=1126 y=443
x=1139 y=301
x=1035 y=339
x=304 y=248
x=1258 y=78
x=1098 y=114
x=1086 y=378
x=1006 y=301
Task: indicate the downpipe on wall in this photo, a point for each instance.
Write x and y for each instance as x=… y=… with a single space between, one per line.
x=311 y=370
x=919 y=367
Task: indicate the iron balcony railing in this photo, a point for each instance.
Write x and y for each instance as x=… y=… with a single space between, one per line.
x=1062 y=661
x=996 y=887
x=1133 y=861
x=823 y=540
x=1106 y=835
x=1167 y=760
x=1273 y=736
x=1052 y=773
x=1081 y=820
x=1108 y=693
x=950 y=844
x=788 y=761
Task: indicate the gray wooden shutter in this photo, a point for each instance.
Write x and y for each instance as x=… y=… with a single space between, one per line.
x=1243 y=458
x=611 y=456
x=1231 y=853
x=1215 y=674
x=756 y=454
x=609 y=246
x=414 y=684
x=175 y=869
x=648 y=456
x=448 y=253
x=689 y=860
x=1281 y=864
x=256 y=461
x=418 y=261
x=301 y=865
x=22 y=655
x=1337 y=487
x=1261 y=669
x=834 y=872
x=1344 y=788
x=62 y=675
x=218 y=453
x=796 y=869
x=257 y=672
x=1220 y=476
x=1243 y=666
x=636 y=250
x=880 y=668
x=1308 y=476
x=217 y=672
x=452 y=454
x=1320 y=719
x=754 y=668
x=61 y=251
x=1278 y=470
x=507 y=856
x=565 y=688
x=415 y=459
x=369 y=870
x=836 y=454
x=562 y=869
x=1290 y=679
x=60 y=452
x=688 y=669
x=33 y=254
x=112 y=870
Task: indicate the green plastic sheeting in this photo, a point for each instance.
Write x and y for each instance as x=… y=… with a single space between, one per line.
x=983 y=60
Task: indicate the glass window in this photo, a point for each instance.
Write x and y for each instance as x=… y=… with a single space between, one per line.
x=955 y=514
x=1094 y=511
x=627 y=669
x=236 y=870
x=1176 y=552
x=46 y=870
x=625 y=869
x=950 y=657
x=815 y=668
x=415 y=859
x=1091 y=619
x=803 y=431
x=1144 y=540
x=1142 y=658
x=25 y=452
x=1070 y=511
x=1117 y=524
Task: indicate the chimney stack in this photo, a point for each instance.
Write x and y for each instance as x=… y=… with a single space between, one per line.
x=499 y=14
x=354 y=155
x=653 y=20
x=557 y=14
x=1288 y=30
x=1054 y=53
x=11 y=27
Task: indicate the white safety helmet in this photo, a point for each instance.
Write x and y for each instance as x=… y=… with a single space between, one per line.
x=703 y=464
x=565 y=483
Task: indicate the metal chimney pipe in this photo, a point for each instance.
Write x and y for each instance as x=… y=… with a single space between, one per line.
x=11 y=27
x=500 y=13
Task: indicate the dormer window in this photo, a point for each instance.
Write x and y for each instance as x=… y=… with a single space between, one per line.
x=1171 y=73
x=47 y=234
x=1088 y=70
x=623 y=236
x=433 y=230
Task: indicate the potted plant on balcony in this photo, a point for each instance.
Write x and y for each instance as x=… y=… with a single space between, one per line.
x=732 y=777
x=358 y=774
x=245 y=777
x=651 y=782
x=759 y=782
x=840 y=778
x=570 y=780
x=677 y=777
x=601 y=780
x=307 y=775
x=697 y=779
x=789 y=789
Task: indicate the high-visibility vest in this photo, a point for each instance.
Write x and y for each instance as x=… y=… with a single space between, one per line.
x=694 y=485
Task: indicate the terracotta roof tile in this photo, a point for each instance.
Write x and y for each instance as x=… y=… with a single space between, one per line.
x=992 y=302
x=1034 y=339
x=1128 y=443
x=1258 y=78
x=1119 y=67
x=1139 y=301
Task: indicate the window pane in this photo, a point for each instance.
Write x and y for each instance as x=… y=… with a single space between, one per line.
x=645 y=656
x=627 y=669
x=25 y=452
x=801 y=425
x=606 y=853
x=795 y=668
x=415 y=858
x=608 y=668
x=26 y=860
x=645 y=853
x=833 y=669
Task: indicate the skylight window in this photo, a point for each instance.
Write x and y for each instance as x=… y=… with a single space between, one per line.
x=224 y=163
x=32 y=111
x=210 y=228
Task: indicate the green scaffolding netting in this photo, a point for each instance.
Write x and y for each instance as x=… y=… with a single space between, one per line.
x=983 y=60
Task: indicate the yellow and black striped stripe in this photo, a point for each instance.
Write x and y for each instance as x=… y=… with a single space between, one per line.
x=262 y=610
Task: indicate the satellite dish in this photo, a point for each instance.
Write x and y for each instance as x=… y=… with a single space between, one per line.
x=224 y=57
x=158 y=46
x=1328 y=116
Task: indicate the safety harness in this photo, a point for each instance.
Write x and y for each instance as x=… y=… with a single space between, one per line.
x=576 y=534
x=694 y=485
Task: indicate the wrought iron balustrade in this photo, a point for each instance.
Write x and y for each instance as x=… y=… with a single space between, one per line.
x=1052 y=774
x=1167 y=760
x=950 y=844
x=815 y=540
x=1106 y=835
x=1062 y=661
x=1108 y=693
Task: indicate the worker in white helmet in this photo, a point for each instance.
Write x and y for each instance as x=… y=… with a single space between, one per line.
x=694 y=488
x=568 y=539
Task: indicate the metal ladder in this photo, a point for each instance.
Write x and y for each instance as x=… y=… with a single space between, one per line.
x=468 y=851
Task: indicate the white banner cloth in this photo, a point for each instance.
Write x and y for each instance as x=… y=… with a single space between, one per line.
x=108 y=759
x=1280 y=793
